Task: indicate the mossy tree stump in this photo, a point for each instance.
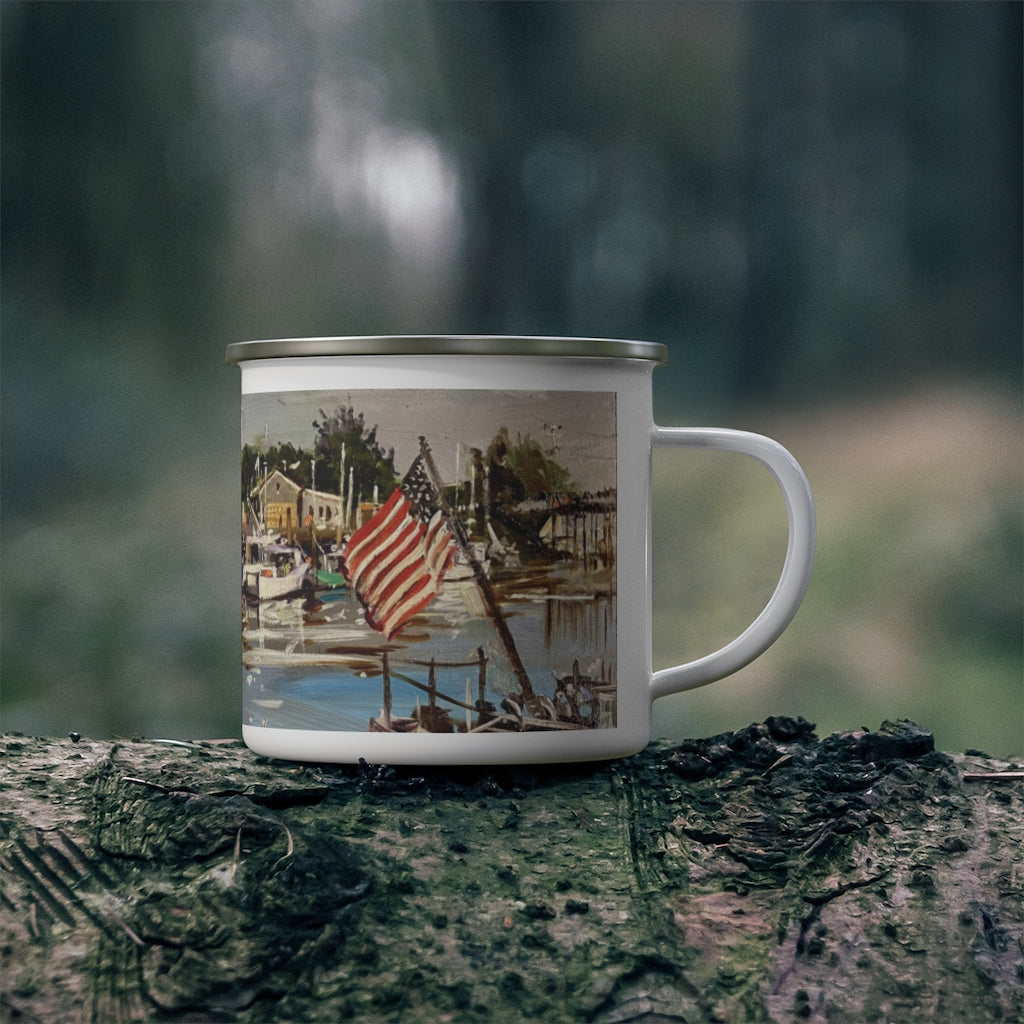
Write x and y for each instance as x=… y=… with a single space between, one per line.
x=763 y=875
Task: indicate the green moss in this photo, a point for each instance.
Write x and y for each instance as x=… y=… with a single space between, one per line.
x=715 y=882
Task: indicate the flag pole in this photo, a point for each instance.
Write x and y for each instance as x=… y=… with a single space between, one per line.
x=486 y=590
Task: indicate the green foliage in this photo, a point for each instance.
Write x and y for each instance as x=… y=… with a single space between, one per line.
x=519 y=470
x=343 y=437
x=257 y=461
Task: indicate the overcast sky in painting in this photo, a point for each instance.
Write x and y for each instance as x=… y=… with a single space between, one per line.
x=576 y=429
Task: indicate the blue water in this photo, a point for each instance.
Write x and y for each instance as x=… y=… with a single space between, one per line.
x=324 y=699
x=285 y=685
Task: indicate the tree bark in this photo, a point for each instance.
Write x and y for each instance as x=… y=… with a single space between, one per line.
x=762 y=875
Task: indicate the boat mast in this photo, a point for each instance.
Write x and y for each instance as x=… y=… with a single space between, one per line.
x=341 y=497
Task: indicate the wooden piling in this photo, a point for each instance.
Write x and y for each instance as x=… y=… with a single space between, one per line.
x=481 y=688
x=387 y=690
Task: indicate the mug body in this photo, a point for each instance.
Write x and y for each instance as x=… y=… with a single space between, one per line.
x=445 y=549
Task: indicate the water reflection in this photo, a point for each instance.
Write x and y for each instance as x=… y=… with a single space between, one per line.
x=314 y=663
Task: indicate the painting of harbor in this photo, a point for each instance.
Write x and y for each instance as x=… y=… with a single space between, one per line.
x=429 y=560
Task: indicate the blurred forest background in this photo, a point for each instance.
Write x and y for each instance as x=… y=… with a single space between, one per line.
x=816 y=206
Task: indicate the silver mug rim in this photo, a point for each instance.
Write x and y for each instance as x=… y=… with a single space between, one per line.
x=446 y=344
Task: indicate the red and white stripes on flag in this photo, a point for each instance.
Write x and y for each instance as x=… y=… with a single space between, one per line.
x=398 y=558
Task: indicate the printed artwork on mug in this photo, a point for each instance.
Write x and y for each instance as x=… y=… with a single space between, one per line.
x=429 y=561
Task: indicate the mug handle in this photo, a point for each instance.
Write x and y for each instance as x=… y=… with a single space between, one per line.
x=796 y=569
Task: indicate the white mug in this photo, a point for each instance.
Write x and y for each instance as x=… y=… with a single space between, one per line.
x=447 y=549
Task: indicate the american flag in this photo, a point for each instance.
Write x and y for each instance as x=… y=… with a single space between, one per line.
x=397 y=559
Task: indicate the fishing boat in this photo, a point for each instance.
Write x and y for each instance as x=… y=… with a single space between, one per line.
x=462 y=567
x=328 y=572
x=282 y=571
x=273 y=568
x=583 y=700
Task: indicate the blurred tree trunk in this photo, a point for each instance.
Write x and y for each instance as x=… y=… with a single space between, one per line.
x=758 y=875
x=506 y=285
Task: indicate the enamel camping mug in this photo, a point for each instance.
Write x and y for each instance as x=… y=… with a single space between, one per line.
x=446 y=553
